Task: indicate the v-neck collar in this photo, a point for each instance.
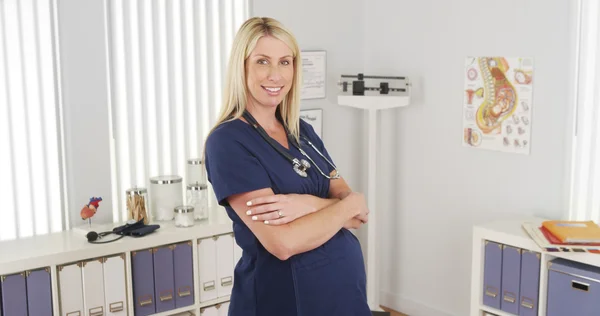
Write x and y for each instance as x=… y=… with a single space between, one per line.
x=290 y=145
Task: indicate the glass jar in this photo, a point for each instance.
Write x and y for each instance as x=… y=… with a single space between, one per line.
x=197 y=196
x=137 y=205
x=166 y=193
x=195 y=171
x=184 y=216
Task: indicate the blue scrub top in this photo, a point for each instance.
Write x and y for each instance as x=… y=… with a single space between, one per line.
x=329 y=280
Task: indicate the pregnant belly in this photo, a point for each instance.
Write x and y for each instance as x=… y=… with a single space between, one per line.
x=332 y=277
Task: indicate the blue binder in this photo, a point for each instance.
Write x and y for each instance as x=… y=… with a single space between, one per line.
x=529 y=286
x=492 y=274
x=511 y=277
x=14 y=295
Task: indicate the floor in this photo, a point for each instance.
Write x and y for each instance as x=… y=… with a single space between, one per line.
x=392 y=312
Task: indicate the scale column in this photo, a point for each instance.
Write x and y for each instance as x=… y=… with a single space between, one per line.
x=372 y=271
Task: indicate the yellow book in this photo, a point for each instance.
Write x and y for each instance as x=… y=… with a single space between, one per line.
x=574 y=231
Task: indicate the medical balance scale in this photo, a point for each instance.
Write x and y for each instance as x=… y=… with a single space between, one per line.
x=371 y=94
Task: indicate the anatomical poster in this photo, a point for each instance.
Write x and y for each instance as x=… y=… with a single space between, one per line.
x=498 y=99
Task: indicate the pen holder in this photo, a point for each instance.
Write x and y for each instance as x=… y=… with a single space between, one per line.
x=137 y=205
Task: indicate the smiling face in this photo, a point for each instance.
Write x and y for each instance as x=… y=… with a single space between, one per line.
x=269 y=72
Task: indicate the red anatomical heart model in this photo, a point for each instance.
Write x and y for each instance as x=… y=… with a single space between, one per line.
x=89 y=210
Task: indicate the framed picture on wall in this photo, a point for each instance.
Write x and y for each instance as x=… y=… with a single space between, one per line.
x=314 y=117
x=314 y=75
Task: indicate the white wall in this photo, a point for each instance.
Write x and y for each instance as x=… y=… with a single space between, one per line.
x=431 y=188
x=439 y=189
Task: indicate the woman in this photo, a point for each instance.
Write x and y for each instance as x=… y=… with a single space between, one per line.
x=291 y=212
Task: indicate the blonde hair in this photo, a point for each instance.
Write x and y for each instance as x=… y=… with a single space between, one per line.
x=235 y=94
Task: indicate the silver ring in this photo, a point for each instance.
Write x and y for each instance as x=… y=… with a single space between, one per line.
x=280 y=214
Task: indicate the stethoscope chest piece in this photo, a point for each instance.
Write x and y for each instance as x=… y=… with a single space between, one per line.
x=300 y=166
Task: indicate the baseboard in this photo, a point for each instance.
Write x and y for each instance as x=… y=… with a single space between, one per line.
x=408 y=306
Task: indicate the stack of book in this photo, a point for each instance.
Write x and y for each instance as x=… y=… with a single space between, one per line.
x=566 y=236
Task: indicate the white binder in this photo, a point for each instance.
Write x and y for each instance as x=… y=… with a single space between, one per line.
x=207 y=266
x=93 y=288
x=209 y=311
x=224 y=309
x=224 y=265
x=70 y=285
x=114 y=286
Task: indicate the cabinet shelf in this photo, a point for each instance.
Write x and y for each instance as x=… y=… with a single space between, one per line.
x=215 y=301
x=71 y=248
x=72 y=245
x=494 y=311
x=191 y=308
x=196 y=307
x=511 y=233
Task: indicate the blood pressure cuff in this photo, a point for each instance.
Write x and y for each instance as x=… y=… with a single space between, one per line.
x=143 y=231
x=137 y=229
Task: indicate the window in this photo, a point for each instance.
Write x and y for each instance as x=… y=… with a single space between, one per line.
x=585 y=177
x=167 y=63
x=31 y=166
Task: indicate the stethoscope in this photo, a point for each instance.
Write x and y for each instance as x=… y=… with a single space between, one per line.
x=300 y=165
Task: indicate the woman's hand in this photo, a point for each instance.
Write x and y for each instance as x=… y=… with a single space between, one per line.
x=357 y=200
x=281 y=209
x=353 y=223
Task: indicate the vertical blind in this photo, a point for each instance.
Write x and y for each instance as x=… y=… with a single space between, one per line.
x=30 y=162
x=585 y=182
x=167 y=62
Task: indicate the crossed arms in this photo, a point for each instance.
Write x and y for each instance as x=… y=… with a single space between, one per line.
x=308 y=221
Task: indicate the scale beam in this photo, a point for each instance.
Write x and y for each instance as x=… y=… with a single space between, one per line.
x=385 y=85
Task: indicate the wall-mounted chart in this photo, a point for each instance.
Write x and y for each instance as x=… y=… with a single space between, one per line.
x=497 y=107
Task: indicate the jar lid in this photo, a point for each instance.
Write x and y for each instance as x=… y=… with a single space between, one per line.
x=166 y=179
x=197 y=186
x=195 y=161
x=136 y=191
x=184 y=209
